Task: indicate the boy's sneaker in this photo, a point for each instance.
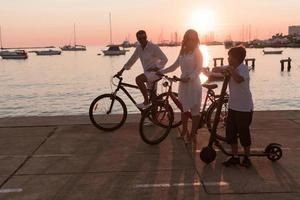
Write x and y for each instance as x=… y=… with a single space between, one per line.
x=143 y=106
x=231 y=161
x=246 y=162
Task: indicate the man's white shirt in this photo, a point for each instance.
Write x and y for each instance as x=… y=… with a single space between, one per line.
x=151 y=57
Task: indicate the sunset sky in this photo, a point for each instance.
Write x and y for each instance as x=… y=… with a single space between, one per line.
x=50 y=22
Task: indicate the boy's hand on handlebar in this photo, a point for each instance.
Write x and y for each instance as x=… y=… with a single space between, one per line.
x=229 y=70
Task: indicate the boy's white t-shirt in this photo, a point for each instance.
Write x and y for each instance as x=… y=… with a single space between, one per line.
x=240 y=97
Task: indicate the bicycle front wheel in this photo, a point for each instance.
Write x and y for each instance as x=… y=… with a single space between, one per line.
x=108 y=112
x=177 y=119
x=211 y=114
x=156 y=123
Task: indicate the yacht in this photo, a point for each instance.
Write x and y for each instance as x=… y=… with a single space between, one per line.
x=75 y=47
x=114 y=50
x=228 y=44
x=17 y=54
x=49 y=52
x=272 y=51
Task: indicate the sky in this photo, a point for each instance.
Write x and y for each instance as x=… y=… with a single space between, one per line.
x=50 y=22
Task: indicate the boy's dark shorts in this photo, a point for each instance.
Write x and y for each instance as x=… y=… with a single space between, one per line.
x=238 y=125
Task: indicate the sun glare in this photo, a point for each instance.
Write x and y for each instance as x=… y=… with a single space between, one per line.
x=203 y=78
x=206 y=58
x=203 y=21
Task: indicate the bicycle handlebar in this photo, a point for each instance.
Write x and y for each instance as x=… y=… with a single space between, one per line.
x=173 y=79
x=117 y=76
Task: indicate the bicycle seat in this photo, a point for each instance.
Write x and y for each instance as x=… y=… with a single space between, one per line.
x=210 y=86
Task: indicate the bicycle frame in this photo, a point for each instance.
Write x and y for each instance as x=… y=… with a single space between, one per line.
x=210 y=95
x=123 y=86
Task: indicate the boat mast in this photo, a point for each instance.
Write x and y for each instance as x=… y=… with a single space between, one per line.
x=110 y=31
x=74 y=35
x=1 y=47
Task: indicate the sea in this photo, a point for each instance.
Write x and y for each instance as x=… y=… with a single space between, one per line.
x=66 y=84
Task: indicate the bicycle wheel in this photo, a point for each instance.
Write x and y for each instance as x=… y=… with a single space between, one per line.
x=177 y=119
x=108 y=112
x=211 y=113
x=156 y=123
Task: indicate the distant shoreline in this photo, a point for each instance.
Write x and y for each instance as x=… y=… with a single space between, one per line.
x=46 y=47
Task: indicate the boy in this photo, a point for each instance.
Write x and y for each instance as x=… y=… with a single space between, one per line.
x=240 y=107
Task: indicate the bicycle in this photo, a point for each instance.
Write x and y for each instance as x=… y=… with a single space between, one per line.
x=207 y=115
x=109 y=107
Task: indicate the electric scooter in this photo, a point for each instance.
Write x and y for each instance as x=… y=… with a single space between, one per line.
x=273 y=151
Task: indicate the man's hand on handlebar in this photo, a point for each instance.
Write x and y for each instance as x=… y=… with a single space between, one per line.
x=158 y=73
x=154 y=69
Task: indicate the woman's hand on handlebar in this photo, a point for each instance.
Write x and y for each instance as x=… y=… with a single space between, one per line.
x=185 y=80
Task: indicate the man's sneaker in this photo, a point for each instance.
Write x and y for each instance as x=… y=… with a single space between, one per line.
x=143 y=106
x=231 y=161
x=246 y=162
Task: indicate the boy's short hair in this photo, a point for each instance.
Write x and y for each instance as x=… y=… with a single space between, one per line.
x=140 y=32
x=238 y=52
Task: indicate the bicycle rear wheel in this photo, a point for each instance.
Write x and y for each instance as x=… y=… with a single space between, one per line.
x=177 y=120
x=211 y=114
x=156 y=123
x=108 y=112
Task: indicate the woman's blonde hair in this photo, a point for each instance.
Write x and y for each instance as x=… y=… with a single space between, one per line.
x=189 y=35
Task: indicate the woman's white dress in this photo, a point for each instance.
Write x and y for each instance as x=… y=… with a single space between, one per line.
x=189 y=93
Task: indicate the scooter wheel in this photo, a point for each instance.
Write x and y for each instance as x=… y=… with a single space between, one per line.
x=274 y=153
x=207 y=154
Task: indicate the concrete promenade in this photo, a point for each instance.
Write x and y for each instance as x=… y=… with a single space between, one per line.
x=66 y=157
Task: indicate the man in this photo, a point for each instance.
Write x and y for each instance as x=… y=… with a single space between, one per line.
x=152 y=59
x=240 y=106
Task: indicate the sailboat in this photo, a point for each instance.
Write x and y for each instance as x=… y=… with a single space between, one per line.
x=76 y=47
x=113 y=50
x=17 y=54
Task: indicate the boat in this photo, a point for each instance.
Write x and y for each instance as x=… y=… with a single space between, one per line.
x=49 y=52
x=75 y=47
x=228 y=44
x=17 y=54
x=114 y=50
x=272 y=51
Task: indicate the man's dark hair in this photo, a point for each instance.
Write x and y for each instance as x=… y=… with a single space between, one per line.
x=238 y=52
x=140 y=32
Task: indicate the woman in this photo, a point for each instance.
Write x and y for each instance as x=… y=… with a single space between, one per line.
x=190 y=61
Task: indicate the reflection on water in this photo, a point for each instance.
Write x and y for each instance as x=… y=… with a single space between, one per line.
x=66 y=84
x=206 y=55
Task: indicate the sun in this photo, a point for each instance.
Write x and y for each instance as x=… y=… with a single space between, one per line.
x=203 y=21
